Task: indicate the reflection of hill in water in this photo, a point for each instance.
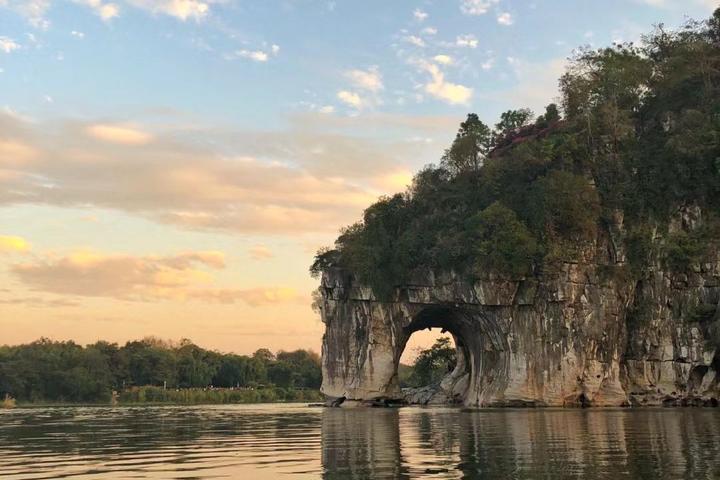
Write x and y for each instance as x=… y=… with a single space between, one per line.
x=257 y=442
x=522 y=443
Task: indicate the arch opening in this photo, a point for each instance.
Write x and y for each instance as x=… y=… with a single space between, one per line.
x=450 y=386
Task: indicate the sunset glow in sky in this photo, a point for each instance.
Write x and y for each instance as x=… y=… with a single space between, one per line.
x=169 y=167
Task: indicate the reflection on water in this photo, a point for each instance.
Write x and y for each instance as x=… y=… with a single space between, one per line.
x=271 y=441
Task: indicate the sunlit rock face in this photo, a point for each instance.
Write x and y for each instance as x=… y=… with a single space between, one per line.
x=584 y=334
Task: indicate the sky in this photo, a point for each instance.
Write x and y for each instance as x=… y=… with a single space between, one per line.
x=170 y=167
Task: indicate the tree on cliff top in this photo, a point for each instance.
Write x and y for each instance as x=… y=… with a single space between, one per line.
x=639 y=139
x=470 y=147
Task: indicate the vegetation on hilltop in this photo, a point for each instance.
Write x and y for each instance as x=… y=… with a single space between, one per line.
x=49 y=371
x=638 y=138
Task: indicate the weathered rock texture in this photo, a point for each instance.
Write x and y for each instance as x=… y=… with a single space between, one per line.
x=584 y=334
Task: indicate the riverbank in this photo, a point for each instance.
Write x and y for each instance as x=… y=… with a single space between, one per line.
x=150 y=395
x=194 y=396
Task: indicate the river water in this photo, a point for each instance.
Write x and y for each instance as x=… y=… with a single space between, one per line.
x=295 y=441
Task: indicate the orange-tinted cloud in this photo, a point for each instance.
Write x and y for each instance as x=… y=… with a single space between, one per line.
x=121 y=134
x=260 y=252
x=9 y=243
x=255 y=297
x=180 y=277
x=301 y=180
x=119 y=276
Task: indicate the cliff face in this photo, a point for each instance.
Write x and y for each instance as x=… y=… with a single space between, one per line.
x=584 y=334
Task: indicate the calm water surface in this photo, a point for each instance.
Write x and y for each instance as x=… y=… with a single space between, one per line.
x=296 y=441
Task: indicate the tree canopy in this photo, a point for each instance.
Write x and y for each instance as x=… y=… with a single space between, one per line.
x=636 y=135
x=46 y=370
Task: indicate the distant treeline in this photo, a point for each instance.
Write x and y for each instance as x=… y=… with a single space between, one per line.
x=50 y=371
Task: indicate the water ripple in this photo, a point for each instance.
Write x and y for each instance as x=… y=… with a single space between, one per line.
x=271 y=441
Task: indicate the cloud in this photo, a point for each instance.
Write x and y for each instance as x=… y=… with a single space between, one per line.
x=415 y=40
x=180 y=9
x=351 y=98
x=33 y=10
x=118 y=276
x=443 y=59
x=182 y=277
x=505 y=19
x=106 y=11
x=13 y=244
x=8 y=45
x=420 y=15
x=440 y=88
x=676 y=4
x=260 y=252
x=369 y=79
x=39 y=302
x=254 y=297
x=15 y=153
x=309 y=178
x=476 y=7
x=119 y=134
x=429 y=31
x=469 y=41
x=255 y=55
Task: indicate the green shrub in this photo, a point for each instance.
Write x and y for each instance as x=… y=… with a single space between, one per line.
x=501 y=242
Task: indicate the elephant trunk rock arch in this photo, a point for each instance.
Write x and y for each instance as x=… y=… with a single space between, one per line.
x=566 y=339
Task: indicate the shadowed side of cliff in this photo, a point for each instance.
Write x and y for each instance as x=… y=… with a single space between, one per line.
x=574 y=256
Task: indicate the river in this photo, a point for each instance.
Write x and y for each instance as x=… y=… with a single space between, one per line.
x=295 y=441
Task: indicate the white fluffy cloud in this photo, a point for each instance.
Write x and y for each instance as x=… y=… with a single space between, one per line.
x=255 y=55
x=36 y=10
x=505 y=19
x=369 y=79
x=440 y=88
x=105 y=10
x=351 y=98
x=420 y=15
x=414 y=40
x=476 y=7
x=33 y=10
x=181 y=9
x=468 y=41
x=8 y=45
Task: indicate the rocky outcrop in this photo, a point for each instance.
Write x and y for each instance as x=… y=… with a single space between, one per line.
x=586 y=333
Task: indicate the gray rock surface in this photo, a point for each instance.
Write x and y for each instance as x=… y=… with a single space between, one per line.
x=586 y=333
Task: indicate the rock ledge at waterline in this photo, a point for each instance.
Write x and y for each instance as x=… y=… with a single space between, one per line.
x=572 y=337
